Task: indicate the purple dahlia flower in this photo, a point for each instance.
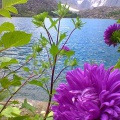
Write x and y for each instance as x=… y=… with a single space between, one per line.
x=109 y=35
x=89 y=94
x=65 y=48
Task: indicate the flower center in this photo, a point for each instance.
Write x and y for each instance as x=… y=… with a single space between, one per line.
x=87 y=95
x=116 y=36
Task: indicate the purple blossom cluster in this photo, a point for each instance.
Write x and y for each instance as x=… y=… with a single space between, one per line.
x=89 y=94
x=65 y=48
x=108 y=34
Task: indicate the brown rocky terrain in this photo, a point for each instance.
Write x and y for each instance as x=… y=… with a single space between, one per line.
x=33 y=7
x=101 y=12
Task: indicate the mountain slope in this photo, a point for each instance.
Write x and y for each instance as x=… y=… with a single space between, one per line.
x=33 y=7
x=101 y=12
x=87 y=4
x=112 y=3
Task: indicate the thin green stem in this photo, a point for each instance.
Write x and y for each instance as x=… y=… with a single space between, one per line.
x=67 y=39
x=49 y=59
x=19 y=67
x=3 y=49
x=58 y=31
x=51 y=89
x=49 y=36
x=60 y=73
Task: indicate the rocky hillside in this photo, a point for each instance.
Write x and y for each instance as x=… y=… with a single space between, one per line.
x=33 y=7
x=112 y=3
x=101 y=12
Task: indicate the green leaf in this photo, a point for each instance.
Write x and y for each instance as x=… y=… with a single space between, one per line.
x=8 y=3
x=7 y=7
x=16 y=80
x=37 y=83
x=45 y=64
x=28 y=57
x=44 y=79
x=54 y=50
x=7 y=61
x=15 y=102
x=69 y=62
x=12 y=9
x=117 y=64
x=28 y=106
x=66 y=62
x=16 y=77
x=78 y=23
x=11 y=111
x=5 y=13
x=50 y=114
x=4 y=94
x=15 y=83
x=26 y=69
x=1 y=106
x=37 y=48
x=53 y=23
x=6 y=26
x=20 y=118
x=62 y=36
x=62 y=10
x=39 y=19
x=69 y=53
x=43 y=41
x=73 y=62
x=116 y=36
x=5 y=83
x=118 y=21
x=49 y=118
x=15 y=39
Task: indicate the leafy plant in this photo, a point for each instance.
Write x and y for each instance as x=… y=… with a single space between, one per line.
x=10 y=81
x=54 y=49
x=38 y=75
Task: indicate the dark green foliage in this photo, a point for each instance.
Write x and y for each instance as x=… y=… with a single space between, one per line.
x=114 y=13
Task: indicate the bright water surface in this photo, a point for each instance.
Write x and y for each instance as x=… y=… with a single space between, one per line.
x=87 y=43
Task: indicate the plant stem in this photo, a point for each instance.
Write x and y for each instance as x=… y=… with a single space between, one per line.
x=60 y=73
x=58 y=31
x=51 y=89
x=67 y=39
x=19 y=67
x=49 y=36
x=49 y=58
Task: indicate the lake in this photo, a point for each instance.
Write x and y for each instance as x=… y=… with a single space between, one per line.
x=88 y=44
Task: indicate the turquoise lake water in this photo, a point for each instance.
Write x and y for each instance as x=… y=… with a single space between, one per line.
x=88 y=44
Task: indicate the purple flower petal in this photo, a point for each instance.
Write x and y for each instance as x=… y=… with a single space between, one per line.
x=89 y=94
x=65 y=48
